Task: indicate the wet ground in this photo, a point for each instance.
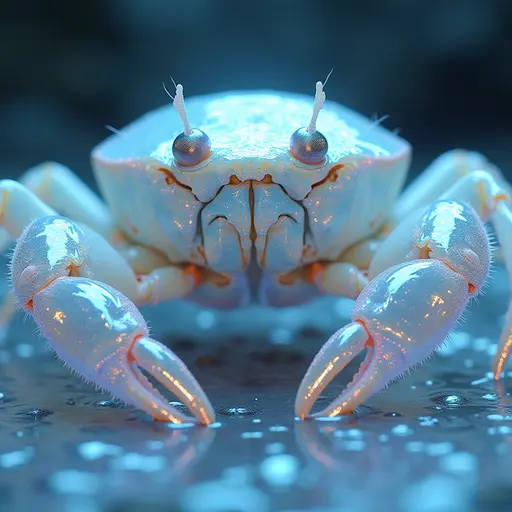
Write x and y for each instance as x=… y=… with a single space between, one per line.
x=439 y=440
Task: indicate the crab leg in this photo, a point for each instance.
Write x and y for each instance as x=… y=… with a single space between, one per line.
x=65 y=193
x=440 y=175
x=407 y=310
x=339 y=279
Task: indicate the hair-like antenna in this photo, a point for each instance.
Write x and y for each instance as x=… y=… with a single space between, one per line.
x=178 y=102
x=319 y=103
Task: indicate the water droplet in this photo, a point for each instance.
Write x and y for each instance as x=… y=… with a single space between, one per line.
x=94 y=450
x=352 y=433
x=180 y=426
x=252 y=435
x=415 y=447
x=501 y=430
x=111 y=404
x=435 y=492
x=392 y=415
x=139 y=462
x=70 y=401
x=238 y=475
x=74 y=482
x=459 y=463
x=239 y=412
x=495 y=417
x=205 y=319
x=353 y=445
x=450 y=400
x=481 y=344
x=278 y=428
x=492 y=397
x=327 y=419
x=427 y=421
x=402 y=430
x=217 y=495
x=274 y=448
x=24 y=350
x=256 y=420
x=280 y=470
x=280 y=336
x=343 y=307
x=437 y=449
x=16 y=458
x=37 y=414
x=458 y=341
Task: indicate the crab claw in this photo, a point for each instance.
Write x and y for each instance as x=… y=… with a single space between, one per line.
x=102 y=335
x=343 y=346
x=129 y=383
x=400 y=318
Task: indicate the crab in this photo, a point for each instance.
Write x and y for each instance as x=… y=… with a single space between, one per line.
x=253 y=196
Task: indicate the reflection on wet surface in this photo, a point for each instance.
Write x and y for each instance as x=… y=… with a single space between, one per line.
x=437 y=441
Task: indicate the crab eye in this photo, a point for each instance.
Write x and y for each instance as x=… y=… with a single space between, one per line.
x=191 y=148
x=309 y=148
x=307 y=144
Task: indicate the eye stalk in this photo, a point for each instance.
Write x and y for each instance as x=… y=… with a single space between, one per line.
x=307 y=144
x=192 y=146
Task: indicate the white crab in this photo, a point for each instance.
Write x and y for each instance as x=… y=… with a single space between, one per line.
x=227 y=207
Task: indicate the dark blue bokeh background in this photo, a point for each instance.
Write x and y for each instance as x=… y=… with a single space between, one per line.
x=439 y=440
x=441 y=70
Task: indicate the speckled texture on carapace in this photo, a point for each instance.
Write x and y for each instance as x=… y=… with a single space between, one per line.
x=444 y=429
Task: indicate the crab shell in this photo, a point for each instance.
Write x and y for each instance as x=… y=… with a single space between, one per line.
x=251 y=211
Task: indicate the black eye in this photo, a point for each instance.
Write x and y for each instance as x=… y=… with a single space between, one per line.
x=191 y=148
x=309 y=148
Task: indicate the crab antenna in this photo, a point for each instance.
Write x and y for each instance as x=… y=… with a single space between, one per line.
x=318 y=105
x=179 y=105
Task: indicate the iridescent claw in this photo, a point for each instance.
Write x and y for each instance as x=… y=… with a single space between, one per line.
x=343 y=346
x=102 y=336
x=407 y=310
x=96 y=329
x=168 y=369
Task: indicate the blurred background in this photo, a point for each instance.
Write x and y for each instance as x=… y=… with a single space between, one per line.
x=441 y=70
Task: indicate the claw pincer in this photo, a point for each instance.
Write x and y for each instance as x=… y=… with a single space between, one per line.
x=407 y=311
x=93 y=327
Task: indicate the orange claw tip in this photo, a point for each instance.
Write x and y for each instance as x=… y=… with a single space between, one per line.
x=131 y=385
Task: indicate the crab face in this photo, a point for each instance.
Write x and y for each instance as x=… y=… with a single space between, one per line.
x=251 y=200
